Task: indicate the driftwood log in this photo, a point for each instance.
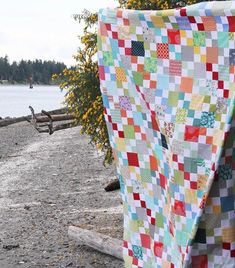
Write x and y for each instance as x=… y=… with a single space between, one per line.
x=97 y=241
x=44 y=122
x=10 y=121
x=57 y=117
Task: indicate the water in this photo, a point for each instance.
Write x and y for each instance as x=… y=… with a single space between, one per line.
x=15 y=100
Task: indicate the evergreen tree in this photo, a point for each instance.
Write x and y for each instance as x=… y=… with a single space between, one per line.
x=41 y=71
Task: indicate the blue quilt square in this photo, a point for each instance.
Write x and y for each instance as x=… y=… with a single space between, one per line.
x=227 y=203
x=137 y=48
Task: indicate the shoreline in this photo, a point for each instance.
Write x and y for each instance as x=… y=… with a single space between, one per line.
x=12 y=120
x=4 y=83
x=48 y=183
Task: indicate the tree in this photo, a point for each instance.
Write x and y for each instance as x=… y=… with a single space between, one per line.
x=20 y=72
x=83 y=96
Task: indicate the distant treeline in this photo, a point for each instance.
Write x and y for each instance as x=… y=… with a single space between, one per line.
x=21 y=72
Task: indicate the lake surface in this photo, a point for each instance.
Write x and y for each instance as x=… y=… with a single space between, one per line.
x=15 y=100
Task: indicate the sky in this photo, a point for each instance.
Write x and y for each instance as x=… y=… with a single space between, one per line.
x=43 y=29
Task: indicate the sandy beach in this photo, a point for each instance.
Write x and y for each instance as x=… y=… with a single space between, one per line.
x=46 y=184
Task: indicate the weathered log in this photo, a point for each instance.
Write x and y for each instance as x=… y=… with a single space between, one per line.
x=10 y=121
x=48 y=120
x=97 y=241
x=60 y=117
x=63 y=126
x=112 y=186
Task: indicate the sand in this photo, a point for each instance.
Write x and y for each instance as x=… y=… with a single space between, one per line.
x=46 y=184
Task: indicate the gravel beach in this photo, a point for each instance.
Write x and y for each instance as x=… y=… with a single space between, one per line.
x=46 y=184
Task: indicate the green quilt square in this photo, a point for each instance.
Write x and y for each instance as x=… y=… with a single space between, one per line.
x=129 y=132
x=181 y=238
x=129 y=189
x=210 y=232
x=186 y=104
x=140 y=37
x=190 y=165
x=138 y=78
x=150 y=65
x=173 y=98
x=179 y=177
x=145 y=175
x=180 y=116
x=218 y=117
x=212 y=108
x=223 y=38
x=159 y=220
x=116 y=116
x=207 y=99
x=199 y=39
x=153 y=54
x=175 y=25
x=224 y=73
x=108 y=58
x=191 y=113
x=196 y=122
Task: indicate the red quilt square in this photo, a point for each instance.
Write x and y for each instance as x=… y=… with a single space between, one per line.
x=101 y=73
x=136 y=196
x=128 y=51
x=145 y=240
x=231 y=23
x=175 y=67
x=154 y=123
x=227 y=246
x=200 y=261
x=191 y=133
x=162 y=51
x=133 y=159
x=232 y=254
x=179 y=208
x=158 y=248
x=162 y=181
x=173 y=36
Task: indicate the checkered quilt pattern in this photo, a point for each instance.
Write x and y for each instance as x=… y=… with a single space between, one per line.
x=168 y=85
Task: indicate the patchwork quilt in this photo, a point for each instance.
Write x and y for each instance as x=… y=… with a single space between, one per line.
x=168 y=83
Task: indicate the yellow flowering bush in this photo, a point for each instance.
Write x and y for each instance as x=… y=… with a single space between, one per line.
x=83 y=96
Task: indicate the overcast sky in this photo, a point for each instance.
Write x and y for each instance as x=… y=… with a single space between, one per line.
x=43 y=29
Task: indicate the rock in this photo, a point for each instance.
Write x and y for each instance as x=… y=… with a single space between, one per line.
x=10 y=247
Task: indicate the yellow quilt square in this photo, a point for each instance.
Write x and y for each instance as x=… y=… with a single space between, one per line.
x=216 y=210
x=196 y=102
x=121 y=146
x=190 y=41
x=158 y=21
x=218 y=137
x=182 y=33
x=191 y=196
x=228 y=234
x=120 y=74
